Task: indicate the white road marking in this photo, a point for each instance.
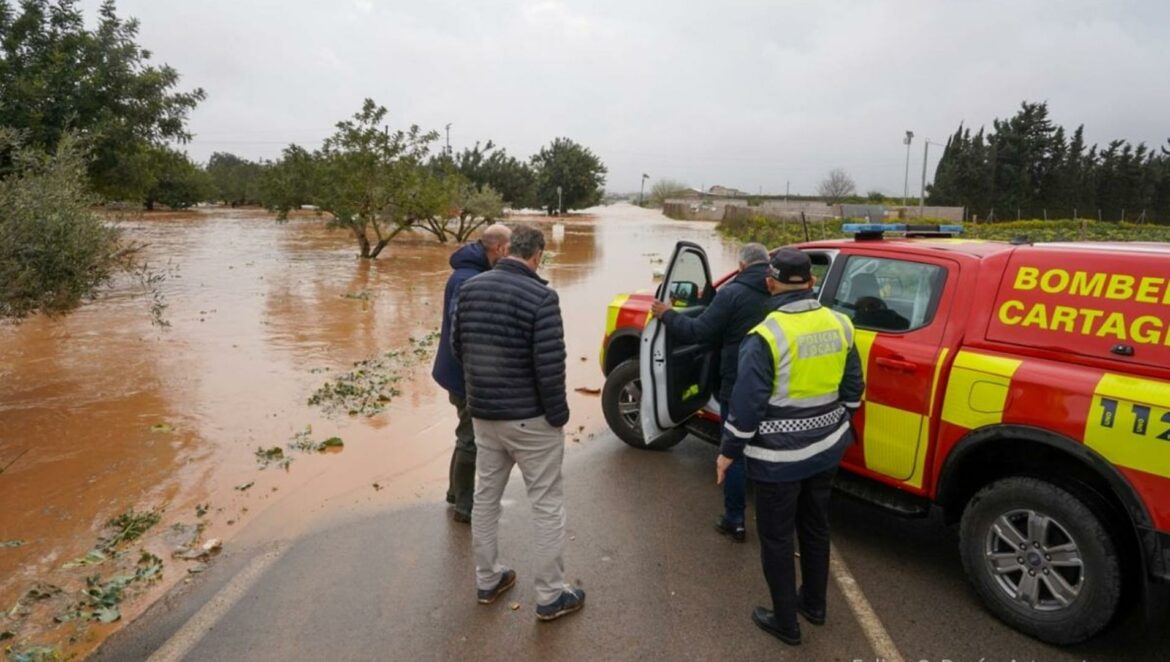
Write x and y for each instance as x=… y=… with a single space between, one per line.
x=883 y=646
x=193 y=631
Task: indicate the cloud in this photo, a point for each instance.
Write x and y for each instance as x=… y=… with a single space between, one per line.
x=743 y=93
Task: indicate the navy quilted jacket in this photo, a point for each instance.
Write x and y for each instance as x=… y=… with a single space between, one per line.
x=507 y=332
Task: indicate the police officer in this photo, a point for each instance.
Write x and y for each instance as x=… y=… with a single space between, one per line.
x=799 y=380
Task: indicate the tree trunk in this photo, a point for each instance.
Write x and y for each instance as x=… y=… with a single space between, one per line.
x=378 y=248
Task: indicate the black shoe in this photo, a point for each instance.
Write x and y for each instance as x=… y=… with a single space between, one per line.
x=570 y=601
x=507 y=581
x=812 y=616
x=461 y=517
x=737 y=532
x=766 y=620
x=451 y=498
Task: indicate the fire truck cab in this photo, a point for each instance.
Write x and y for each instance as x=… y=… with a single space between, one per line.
x=1023 y=389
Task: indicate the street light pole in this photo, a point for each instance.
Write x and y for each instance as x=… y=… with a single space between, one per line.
x=906 y=184
x=448 y=137
x=642 y=189
x=925 y=158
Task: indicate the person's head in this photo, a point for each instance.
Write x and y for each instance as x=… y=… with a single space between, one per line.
x=750 y=254
x=527 y=245
x=789 y=270
x=495 y=241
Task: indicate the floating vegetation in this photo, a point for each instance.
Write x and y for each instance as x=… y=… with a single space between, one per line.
x=102 y=599
x=10 y=544
x=303 y=441
x=274 y=455
x=34 y=654
x=360 y=295
x=128 y=526
x=246 y=486
x=372 y=384
x=162 y=428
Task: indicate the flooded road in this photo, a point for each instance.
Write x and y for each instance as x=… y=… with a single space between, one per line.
x=101 y=412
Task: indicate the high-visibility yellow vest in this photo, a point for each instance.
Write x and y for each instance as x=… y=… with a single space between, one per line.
x=810 y=345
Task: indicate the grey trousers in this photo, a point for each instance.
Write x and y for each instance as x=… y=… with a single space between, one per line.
x=539 y=449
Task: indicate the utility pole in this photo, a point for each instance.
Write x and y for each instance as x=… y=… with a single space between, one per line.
x=448 y=137
x=786 y=183
x=643 y=188
x=922 y=195
x=906 y=184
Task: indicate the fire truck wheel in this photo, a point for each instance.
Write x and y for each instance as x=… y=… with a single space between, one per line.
x=1041 y=559
x=621 y=402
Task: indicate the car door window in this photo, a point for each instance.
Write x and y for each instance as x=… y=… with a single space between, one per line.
x=688 y=284
x=889 y=295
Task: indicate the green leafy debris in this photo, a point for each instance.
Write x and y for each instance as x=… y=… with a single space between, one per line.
x=163 y=428
x=92 y=557
x=372 y=384
x=246 y=486
x=6 y=635
x=10 y=544
x=274 y=455
x=34 y=654
x=201 y=509
x=303 y=441
x=128 y=526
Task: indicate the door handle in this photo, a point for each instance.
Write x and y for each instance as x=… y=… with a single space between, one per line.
x=896 y=364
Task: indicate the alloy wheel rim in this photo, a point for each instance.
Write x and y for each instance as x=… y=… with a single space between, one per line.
x=630 y=404
x=1034 y=560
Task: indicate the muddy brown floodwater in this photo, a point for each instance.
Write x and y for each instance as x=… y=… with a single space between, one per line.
x=103 y=412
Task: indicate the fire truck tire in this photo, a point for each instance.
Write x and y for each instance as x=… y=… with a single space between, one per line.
x=1041 y=559
x=620 y=401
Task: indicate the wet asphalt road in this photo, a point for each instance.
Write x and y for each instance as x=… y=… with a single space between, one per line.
x=398 y=585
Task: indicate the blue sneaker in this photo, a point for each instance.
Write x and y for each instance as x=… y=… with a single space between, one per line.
x=571 y=600
x=488 y=596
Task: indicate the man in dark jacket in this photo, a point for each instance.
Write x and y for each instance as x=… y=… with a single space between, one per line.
x=470 y=260
x=738 y=306
x=509 y=335
x=800 y=379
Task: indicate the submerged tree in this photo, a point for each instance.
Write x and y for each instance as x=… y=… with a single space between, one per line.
x=574 y=169
x=55 y=251
x=369 y=180
x=664 y=189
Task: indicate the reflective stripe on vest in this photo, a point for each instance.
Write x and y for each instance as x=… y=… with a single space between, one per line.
x=816 y=341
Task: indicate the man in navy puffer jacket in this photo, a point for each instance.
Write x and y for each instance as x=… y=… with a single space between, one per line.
x=510 y=337
x=470 y=260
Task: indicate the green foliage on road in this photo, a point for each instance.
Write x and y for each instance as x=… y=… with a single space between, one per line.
x=58 y=76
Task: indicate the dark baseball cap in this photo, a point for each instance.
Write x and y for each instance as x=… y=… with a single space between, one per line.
x=790 y=266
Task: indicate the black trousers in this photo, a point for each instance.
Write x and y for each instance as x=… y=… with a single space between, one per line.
x=782 y=508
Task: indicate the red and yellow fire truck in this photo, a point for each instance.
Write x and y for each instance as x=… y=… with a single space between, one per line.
x=1023 y=389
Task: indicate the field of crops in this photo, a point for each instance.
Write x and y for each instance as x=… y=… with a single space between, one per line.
x=773 y=233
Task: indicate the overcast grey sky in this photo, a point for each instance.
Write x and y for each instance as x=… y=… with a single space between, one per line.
x=744 y=94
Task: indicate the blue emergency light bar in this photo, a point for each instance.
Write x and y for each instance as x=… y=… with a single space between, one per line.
x=876 y=230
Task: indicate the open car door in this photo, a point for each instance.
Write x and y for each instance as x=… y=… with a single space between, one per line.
x=677 y=378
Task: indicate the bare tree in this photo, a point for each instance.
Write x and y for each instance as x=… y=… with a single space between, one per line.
x=836 y=186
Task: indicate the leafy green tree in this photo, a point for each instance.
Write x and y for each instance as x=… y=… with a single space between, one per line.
x=237 y=180
x=288 y=183
x=175 y=181
x=55 y=251
x=58 y=76
x=575 y=169
x=512 y=179
x=664 y=189
x=370 y=181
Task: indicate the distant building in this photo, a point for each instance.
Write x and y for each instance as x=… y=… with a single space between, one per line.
x=726 y=192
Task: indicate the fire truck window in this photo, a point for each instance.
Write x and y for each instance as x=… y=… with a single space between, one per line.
x=880 y=294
